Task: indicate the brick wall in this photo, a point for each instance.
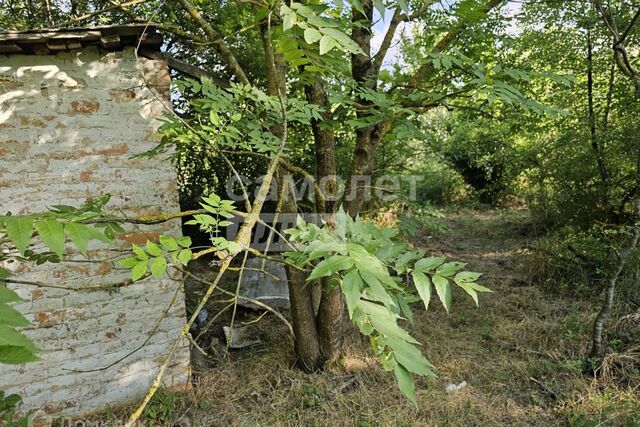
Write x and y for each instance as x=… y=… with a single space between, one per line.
x=69 y=125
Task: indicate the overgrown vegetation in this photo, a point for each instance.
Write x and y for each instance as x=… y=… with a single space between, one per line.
x=491 y=104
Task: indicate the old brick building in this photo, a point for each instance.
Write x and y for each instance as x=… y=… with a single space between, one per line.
x=75 y=106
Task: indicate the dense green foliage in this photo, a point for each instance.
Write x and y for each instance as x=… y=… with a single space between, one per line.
x=482 y=107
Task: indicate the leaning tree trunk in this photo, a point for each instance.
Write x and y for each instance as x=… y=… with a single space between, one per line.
x=597 y=343
x=621 y=58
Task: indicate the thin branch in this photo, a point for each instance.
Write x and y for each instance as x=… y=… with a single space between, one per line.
x=292 y=168
x=217 y=40
x=386 y=41
x=426 y=69
x=101 y=287
x=242 y=297
x=629 y=28
x=100 y=12
x=396 y=20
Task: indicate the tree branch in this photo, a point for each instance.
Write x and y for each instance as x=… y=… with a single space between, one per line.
x=426 y=69
x=396 y=20
x=218 y=43
x=100 y=12
x=183 y=67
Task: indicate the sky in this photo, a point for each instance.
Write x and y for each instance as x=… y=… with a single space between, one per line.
x=394 y=53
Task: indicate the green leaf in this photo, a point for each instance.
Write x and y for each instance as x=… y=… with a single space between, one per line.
x=11 y=337
x=78 y=234
x=15 y=355
x=449 y=268
x=403 y=303
x=7 y=295
x=423 y=286
x=404 y=6
x=409 y=356
x=214 y=118
x=51 y=233
x=385 y=322
x=19 y=229
x=444 y=290
x=96 y=234
x=311 y=35
x=379 y=5
x=139 y=270
x=405 y=383
x=169 y=243
x=357 y=5
x=345 y=41
x=153 y=249
x=467 y=276
x=375 y=290
x=326 y=44
x=129 y=262
x=158 y=266
x=478 y=288
x=331 y=266
x=4 y=273
x=184 y=256
x=427 y=264
x=289 y=17
x=140 y=253
x=352 y=290
x=184 y=241
x=470 y=291
x=12 y=317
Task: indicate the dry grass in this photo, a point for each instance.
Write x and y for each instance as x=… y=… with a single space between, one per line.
x=520 y=352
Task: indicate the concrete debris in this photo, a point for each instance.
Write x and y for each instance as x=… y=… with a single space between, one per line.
x=241 y=337
x=270 y=288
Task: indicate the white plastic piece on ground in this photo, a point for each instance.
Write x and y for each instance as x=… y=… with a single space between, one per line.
x=452 y=388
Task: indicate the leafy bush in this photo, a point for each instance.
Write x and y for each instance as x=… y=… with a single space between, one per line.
x=576 y=262
x=8 y=406
x=380 y=276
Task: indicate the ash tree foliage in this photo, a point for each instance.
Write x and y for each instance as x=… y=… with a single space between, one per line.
x=37 y=239
x=299 y=88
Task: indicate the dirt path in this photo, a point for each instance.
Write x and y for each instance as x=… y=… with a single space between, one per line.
x=520 y=353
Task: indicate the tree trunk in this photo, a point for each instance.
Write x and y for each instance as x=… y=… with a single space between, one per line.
x=331 y=321
x=305 y=329
x=597 y=344
x=625 y=66
x=307 y=344
x=331 y=309
x=363 y=72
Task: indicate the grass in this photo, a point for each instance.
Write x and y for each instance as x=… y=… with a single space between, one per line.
x=521 y=353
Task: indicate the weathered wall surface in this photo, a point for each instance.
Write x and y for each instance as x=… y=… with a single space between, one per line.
x=68 y=126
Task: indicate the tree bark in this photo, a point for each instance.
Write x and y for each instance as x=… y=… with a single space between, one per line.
x=621 y=58
x=363 y=72
x=305 y=328
x=331 y=308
